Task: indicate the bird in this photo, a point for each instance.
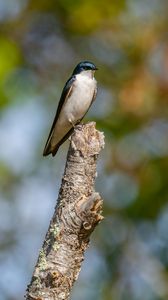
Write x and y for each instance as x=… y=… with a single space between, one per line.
x=77 y=96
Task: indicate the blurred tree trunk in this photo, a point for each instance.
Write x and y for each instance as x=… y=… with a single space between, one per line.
x=77 y=213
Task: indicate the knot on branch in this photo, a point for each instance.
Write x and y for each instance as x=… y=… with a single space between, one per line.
x=89 y=209
x=82 y=217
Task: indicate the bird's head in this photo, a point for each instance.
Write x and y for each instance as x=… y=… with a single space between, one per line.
x=85 y=66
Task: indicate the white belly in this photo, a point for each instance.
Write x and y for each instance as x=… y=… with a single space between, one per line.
x=75 y=107
x=80 y=99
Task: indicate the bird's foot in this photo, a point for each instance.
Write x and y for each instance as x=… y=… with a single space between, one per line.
x=72 y=124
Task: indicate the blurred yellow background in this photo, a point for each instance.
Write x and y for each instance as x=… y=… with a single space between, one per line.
x=40 y=44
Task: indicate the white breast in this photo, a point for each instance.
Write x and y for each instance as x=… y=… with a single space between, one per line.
x=81 y=98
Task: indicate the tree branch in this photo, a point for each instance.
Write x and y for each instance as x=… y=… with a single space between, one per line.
x=77 y=213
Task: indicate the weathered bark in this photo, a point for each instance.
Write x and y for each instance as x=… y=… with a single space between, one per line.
x=77 y=213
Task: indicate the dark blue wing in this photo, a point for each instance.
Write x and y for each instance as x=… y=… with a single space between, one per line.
x=65 y=93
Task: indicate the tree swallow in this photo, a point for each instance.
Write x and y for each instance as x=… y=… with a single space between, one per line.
x=77 y=96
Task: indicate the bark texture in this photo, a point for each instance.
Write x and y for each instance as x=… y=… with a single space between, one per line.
x=77 y=212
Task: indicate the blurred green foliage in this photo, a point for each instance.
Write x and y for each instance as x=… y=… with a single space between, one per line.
x=10 y=59
x=40 y=43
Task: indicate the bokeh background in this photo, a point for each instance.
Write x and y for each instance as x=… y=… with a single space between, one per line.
x=40 y=43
